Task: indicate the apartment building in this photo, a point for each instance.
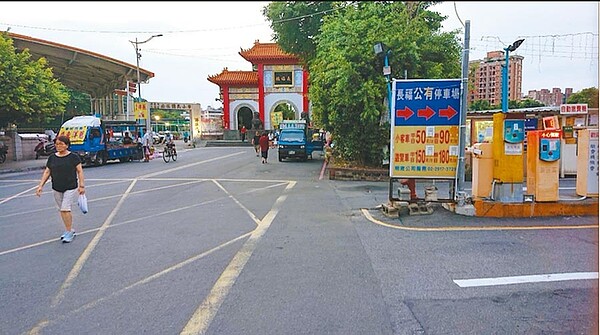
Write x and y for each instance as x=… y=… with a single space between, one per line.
x=485 y=78
x=550 y=98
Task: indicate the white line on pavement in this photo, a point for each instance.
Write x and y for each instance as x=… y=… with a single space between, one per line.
x=525 y=279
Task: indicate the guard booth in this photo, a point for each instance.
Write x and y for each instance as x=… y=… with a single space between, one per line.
x=587 y=163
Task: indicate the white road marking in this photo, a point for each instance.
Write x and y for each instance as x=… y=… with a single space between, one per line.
x=203 y=316
x=85 y=255
x=87 y=252
x=18 y=194
x=525 y=279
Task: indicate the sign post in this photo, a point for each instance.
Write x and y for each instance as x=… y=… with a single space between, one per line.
x=425 y=128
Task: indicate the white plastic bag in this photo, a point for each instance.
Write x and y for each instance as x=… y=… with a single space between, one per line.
x=82 y=203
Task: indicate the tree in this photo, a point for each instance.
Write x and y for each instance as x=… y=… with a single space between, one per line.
x=286 y=110
x=480 y=105
x=530 y=103
x=296 y=24
x=347 y=89
x=29 y=94
x=586 y=96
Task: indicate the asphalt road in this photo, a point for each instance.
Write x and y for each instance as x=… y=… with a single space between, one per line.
x=218 y=243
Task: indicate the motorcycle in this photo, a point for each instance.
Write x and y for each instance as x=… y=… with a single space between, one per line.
x=3 y=152
x=44 y=148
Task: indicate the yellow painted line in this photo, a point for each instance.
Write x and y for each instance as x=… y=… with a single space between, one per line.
x=157 y=275
x=204 y=314
x=474 y=228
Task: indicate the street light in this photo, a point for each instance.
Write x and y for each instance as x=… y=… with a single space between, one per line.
x=511 y=47
x=139 y=84
x=156 y=118
x=380 y=49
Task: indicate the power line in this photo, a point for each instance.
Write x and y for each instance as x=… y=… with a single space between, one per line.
x=171 y=31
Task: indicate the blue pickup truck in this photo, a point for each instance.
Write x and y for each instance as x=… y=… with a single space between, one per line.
x=296 y=141
x=97 y=141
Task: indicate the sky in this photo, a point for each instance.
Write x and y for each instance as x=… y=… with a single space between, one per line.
x=201 y=38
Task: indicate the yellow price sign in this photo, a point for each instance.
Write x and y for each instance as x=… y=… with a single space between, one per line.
x=140 y=110
x=424 y=151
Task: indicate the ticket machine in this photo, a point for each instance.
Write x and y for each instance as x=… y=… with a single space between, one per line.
x=543 y=155
x=507 y=146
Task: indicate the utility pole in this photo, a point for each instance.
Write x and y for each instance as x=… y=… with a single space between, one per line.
x=463 y=115
x=139 y=84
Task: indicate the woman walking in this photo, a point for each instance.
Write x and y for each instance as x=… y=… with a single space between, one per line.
x=264 y=147
x=67 y=182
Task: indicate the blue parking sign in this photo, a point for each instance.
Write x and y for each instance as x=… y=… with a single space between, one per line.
x=426 y=102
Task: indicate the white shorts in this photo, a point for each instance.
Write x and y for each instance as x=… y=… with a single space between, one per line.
x=65 y=199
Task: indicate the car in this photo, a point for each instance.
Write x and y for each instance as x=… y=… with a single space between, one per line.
x=158 y=138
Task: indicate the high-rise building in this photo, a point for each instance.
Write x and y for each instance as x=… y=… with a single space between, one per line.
x=485 y=78
x=550 y=98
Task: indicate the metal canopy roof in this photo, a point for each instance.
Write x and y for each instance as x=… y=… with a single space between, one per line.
x=79 y=69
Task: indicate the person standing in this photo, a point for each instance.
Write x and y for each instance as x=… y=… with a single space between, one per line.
x=255 y=142
x=146 y=144
x=67 y=181
x=264 y=147
x=243 y=132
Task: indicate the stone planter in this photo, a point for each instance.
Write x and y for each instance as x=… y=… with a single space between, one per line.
x=351 y=173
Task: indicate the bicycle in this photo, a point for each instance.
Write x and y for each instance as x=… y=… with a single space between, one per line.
x=169 y=153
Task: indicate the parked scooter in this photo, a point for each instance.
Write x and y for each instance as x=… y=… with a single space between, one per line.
x=44 y=148
x=3 y=152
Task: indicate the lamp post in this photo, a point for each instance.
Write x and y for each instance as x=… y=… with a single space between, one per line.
x=508 y=49
x=380 y=49
x=156 y=118
x=139 y=84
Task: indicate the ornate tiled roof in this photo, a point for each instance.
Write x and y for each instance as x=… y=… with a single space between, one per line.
x=234 y=78
x=267 y=52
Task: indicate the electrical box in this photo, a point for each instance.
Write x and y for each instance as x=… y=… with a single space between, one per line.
x=543 y=156
x=514 y=131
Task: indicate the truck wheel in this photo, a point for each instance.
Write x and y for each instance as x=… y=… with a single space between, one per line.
x=280 y=158
x=100 y=158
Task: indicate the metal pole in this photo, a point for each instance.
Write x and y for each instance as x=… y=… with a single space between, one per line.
x=389 y=85
x=463 y=110
x=505 y=82
x=137 y=59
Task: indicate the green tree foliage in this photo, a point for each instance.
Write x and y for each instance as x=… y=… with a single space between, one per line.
x=586 y=96
x=347 y=88
x=29 y=93
x=526 y=103
x=296 y=24
x=287 y=111
x=480 y=105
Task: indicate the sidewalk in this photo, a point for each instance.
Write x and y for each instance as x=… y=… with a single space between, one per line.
x=11 y=166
